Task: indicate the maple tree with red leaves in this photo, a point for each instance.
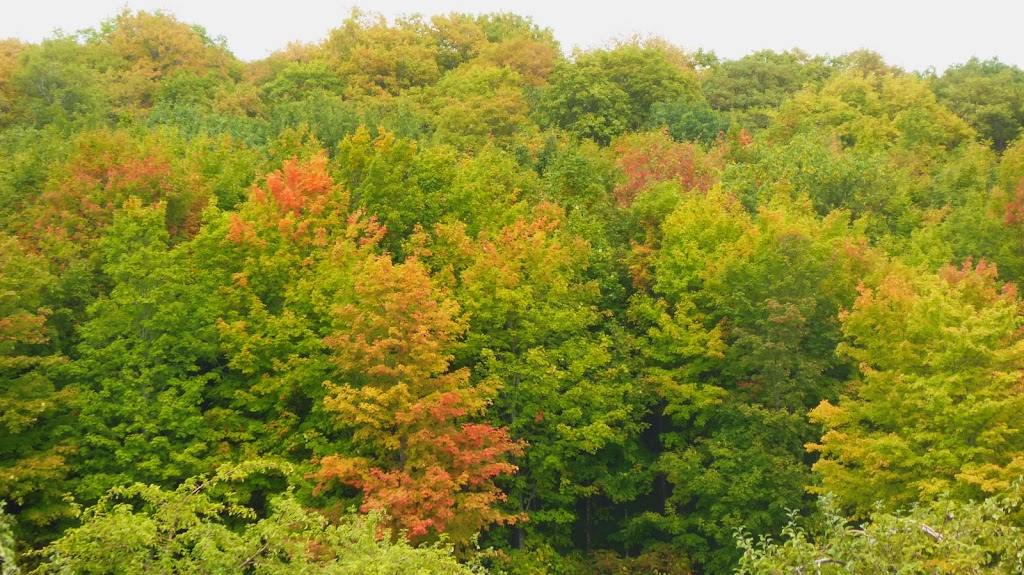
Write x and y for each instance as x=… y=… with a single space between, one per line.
x=427 y=463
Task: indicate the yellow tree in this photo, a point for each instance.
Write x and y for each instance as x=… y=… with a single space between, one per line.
x=33 y=411
x=145 y=48
x=938 y=405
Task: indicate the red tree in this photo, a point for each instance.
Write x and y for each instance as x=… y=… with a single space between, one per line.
x=648 y=159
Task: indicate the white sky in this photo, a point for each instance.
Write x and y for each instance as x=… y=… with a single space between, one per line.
x=910 y=33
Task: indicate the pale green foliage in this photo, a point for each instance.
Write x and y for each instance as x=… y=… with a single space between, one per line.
x=874 y=111
x=58 y=86
x=203 y=527
x=8 y=563
x=943 y=537
x=475 y=104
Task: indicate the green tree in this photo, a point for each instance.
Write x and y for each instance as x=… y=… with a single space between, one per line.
x=393 y=179
x=690 y=122
x=476 y=104
x=536 y=332
x=584 y=102
x=145 y=360
x=298 y=80
x=739 y=333
x=754 y=86
x=57 y=85
x=604 y=93
x=988 y=94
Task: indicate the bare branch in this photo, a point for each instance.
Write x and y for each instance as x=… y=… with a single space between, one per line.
x=935 y=534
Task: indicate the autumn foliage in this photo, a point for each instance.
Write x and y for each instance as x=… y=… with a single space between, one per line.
x=434 y=287
x=427 y=464
x=647 y=159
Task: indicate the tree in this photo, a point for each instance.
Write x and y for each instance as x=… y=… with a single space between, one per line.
x=266 y=257
x=690 y=122
x=9 y=52
x=753 y=86
x=145 y=362
x=648 y=159
x=35 y=446
x=107 y=168
x=869 y=139
x=518 y=43
x=479 y=103
x=537 y=332
x=393 y=179
x=488 y=190
x=875 y=111
x=422 y=456
x=739 y=345
x=57 y=85
x=604 y=93
x=459 y=37
x=142 y=49
x=584 y=102
x=298 y=80
x=648 y=73
x=381 y=60
x=936 y=408
x=815 y=166
x=988 y=94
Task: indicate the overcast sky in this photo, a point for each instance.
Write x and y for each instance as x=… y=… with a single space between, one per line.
x=913 y=34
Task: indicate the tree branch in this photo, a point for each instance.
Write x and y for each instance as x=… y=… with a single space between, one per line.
x=252 y=558
x=935 y=534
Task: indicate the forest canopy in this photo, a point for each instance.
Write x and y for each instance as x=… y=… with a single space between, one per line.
x=434 y=296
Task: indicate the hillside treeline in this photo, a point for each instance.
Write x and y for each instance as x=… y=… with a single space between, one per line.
x=432 y=292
